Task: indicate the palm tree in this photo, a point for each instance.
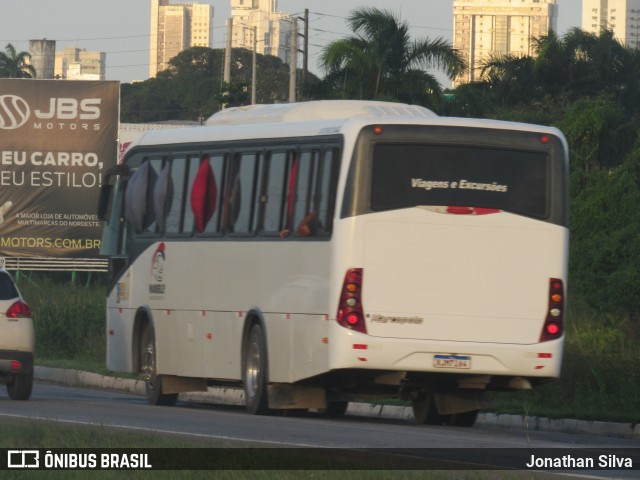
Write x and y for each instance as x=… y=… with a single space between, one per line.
x=577 y=65
x=380 y=61
x=15 y=64
x=510 y=77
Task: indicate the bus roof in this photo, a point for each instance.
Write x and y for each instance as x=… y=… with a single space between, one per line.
x=316 y=110
x=324 y=117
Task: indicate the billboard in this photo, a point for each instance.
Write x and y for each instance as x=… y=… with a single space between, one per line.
x=57 y=139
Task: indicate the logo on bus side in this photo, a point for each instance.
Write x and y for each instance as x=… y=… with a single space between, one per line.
x=156 y=279
x=397 y=320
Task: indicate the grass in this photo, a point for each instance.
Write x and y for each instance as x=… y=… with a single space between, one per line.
x=600 y=377
x=601 y=366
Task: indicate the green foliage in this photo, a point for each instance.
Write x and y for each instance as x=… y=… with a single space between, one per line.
x=593 y=128
x=15 y=64
x=234 y=94
x=380 y=61
x=68 y=318
x=576 y=66
x=605 y=234
x=193 y=88
x=600 y=373
x=149 y=101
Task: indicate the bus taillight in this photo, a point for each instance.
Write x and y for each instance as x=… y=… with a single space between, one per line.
x=553 y=325
x=350 y=312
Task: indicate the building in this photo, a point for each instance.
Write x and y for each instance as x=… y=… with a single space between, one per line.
x=482 y=28
x=622 y=17
x=78 y=64
x=176 y=27
x=43 y=54
x=272 y=27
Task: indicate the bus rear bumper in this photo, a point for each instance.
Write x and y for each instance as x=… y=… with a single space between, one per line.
x=353 y=350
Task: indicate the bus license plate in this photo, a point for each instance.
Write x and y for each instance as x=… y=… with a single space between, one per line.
x=452 y=361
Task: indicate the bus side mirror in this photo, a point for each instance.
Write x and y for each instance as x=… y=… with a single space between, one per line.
x=103 y=202
x=106 y=189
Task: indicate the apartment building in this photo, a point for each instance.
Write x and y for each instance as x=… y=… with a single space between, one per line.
x=622 y=17
x=79 y=64
x=272 y=27
x=482 y=28
x=176 y=27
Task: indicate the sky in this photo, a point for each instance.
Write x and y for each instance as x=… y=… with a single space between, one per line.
x=121 y=27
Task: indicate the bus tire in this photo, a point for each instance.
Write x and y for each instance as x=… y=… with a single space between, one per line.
x=20 y=388
x=255 y=372
x=153 y=381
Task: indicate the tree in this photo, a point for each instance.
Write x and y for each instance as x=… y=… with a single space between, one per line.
x=598 y=133
x=234 y=94
x=605 y=252
x=510 y=77
x=380 y=61
x=566 y=69
x=192 y=87
x=15 y=64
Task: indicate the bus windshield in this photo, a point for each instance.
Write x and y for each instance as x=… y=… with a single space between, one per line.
x=407 y=175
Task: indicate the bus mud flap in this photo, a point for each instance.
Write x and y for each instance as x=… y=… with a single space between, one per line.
x=286 y=396
x=174 y=384
x=459 y=402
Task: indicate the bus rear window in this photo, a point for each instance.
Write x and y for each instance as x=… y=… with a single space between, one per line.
x=407 y=175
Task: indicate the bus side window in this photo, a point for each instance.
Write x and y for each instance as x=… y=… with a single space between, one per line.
x=203 y=198
x=273 y=200
x=218 y=164
x=178 y=174
x=162 y=196
x=325 y=188
x=139 y=210
x=241 y=199
x=304 y=216
x=290 y=186
x=193 y=167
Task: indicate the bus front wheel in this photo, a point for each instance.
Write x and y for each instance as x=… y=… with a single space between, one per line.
x=153 y=381
x=255 y=372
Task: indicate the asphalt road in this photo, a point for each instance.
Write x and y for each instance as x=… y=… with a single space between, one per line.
x=396 y=436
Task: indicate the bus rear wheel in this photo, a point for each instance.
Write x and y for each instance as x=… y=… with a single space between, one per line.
x=153 y=381
x=20 y=388
x=255 y=372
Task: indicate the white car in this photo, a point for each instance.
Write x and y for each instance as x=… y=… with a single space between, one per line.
x=17 y=339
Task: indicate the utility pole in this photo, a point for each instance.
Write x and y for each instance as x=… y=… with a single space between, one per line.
x=227 y=55
x=254 y=66
x=227 y=52
x=293 y=59
x=305 y=48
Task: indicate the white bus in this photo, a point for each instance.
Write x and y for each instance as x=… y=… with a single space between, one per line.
x=323 y=252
